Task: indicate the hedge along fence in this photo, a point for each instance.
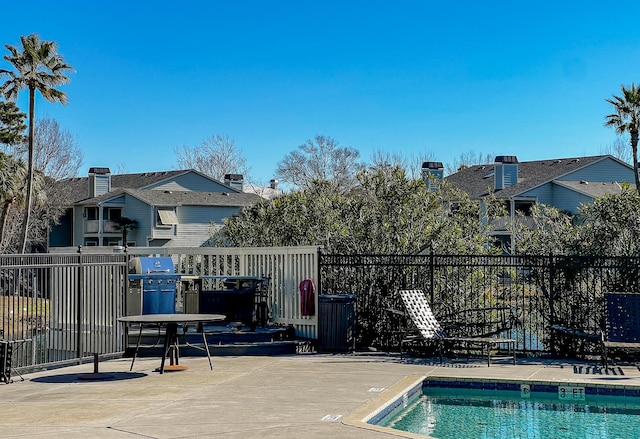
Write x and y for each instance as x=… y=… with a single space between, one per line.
x=518 y=297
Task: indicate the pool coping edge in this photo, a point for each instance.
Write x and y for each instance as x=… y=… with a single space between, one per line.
x=385 y=402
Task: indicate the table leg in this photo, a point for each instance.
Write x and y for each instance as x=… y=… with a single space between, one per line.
x=206 y=347
x=176 y=349
x=169 y=335
x=135 y=354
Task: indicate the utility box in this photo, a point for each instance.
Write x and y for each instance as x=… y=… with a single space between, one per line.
x=336 y=323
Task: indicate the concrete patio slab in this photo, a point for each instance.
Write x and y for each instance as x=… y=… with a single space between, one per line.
x=298 y=396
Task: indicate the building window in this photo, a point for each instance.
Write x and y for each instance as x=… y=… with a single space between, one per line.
x=113 y=213
x=166 y=217
x=91 y=213
x=524 y=207
x=110 y=242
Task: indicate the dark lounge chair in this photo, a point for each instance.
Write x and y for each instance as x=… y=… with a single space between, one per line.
x=622 y=332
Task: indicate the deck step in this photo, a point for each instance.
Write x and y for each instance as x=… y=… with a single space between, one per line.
x=222 y=341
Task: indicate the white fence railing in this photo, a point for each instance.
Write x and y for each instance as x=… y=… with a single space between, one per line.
x=286 y=267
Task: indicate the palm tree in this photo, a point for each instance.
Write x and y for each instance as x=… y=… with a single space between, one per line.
x=626 y=119
x=125 y=225
x=38 y=67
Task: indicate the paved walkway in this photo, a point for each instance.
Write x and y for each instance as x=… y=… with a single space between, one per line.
x=300 y=396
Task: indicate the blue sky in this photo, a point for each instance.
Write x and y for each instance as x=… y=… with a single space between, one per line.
x=418 y=77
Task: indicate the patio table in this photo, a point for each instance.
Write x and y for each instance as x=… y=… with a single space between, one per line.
x=170 y=322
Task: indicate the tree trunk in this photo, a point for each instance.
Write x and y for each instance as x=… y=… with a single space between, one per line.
x=634 y=151
x=3 y=218
x=29 y=195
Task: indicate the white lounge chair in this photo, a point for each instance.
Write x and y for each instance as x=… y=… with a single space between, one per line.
x=420 y=314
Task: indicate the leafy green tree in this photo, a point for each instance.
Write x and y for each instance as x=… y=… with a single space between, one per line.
x=388 y=214
x=610 y=225
x=626 y=119
x=12 y=125
x=548 y=231
x=45 y=212
x=40 y=68
x=13 y=176
x=299 y=218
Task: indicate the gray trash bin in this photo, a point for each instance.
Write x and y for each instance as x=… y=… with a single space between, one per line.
x=336 y=323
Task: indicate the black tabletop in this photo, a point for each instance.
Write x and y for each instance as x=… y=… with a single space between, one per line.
x=172 y=318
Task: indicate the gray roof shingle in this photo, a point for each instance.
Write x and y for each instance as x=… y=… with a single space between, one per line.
x=76 y=191
x=193 y=198
x=478 y=180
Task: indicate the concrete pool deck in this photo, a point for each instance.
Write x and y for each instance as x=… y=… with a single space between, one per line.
x=295 y=396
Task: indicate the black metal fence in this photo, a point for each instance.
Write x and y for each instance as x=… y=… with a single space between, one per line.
x=62 y=308
x=519 y=297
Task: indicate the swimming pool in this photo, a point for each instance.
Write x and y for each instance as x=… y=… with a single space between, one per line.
x=493 y=409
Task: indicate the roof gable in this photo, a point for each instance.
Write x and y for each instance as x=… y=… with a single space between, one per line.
x=478 y=180
x=76 y=189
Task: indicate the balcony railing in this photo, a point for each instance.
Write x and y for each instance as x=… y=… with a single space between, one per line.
x=93 y=226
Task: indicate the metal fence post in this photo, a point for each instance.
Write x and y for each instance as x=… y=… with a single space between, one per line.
x=319 y=274
x=80 y=304
x=552 y=316
x=431 y=274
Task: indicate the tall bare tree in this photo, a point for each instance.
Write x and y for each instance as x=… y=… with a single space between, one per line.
x=57 y=152
x=626 y=119
x=40 y=68
x=321 y=159
x=412 y=163
x=215 y=156
x=619 y=148
x=468 y=159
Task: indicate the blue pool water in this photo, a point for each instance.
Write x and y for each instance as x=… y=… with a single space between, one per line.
x=465 y=413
